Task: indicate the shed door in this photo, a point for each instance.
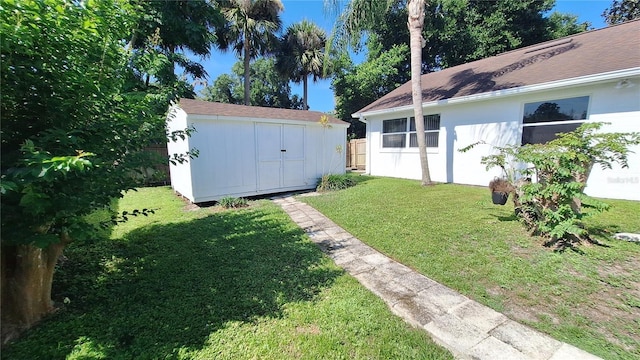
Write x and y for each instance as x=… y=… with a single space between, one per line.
x=280 y=156
x=293 y=157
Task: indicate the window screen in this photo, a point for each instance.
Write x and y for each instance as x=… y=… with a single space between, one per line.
x=432 y=131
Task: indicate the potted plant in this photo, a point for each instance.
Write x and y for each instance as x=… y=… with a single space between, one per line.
x=500 y=190
x=512 y=171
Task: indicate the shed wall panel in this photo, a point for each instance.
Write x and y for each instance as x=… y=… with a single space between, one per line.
x=226 y=163
x=180 y=173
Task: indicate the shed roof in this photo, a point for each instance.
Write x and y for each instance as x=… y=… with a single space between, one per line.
x=589 y=53
x=200 y=107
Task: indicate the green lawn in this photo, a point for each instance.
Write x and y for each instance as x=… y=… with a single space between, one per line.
x=454 y=234
x=213 y=284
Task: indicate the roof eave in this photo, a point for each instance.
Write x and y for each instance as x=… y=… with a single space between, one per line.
x=582 y=80
x=193 y=116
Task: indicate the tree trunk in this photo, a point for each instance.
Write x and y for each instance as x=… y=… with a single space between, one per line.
x=582 y=178
x=304 y=92
x=172 y=59
x=247 y=80
x=27 y=275
x=529 y=212
x=416 y=22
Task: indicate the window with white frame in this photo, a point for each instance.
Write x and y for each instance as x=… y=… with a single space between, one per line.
x=542 y=120
x=395 y=131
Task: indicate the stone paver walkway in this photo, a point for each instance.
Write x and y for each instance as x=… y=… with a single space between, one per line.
x=468 y=329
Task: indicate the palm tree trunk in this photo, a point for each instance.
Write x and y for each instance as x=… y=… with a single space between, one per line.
x=304 y=92
x=247 y=81
x=415 y=23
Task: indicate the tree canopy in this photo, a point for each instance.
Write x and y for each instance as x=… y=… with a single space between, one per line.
x=621 y=11
x=356 y=85
x=460 y=31
x=269 y=88
x=173 y=28
x=250 y=30
x=301 y=54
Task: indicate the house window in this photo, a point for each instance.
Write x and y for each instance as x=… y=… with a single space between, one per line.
x=544 y=119
x=431 y=131
x=394 y=133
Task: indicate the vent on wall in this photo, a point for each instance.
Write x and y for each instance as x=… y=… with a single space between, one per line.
x=624 y=84
x=549 y=45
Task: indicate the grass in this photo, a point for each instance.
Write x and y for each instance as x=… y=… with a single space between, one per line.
x=454 y=234
x=205 y=283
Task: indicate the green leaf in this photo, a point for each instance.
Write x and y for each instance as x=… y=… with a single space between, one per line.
x=44 y=240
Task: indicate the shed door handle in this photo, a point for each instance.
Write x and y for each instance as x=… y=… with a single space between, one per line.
x=283 y=150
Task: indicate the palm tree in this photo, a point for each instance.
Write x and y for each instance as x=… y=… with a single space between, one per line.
x=360 y=15
x=416 y=43
x=301 y=54
x=250 y=29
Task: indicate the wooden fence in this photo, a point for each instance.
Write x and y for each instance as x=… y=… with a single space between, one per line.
x=159 y=175
x=356 y=154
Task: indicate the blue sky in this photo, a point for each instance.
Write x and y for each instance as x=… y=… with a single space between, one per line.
x=320 y=93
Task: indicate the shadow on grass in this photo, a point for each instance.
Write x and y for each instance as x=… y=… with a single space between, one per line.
x=167 y=287
x=510 y=218
x=604 y=231
x=574 y=243
x=595 y=234
x=360 y=178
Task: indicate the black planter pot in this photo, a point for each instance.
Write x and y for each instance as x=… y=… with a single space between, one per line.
x=499 y=198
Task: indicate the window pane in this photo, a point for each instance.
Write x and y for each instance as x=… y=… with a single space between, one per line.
x=544 y=133
x=431 y=138
x=431 y=122
x=395 y=125
x=556 y=110
x=394 y=141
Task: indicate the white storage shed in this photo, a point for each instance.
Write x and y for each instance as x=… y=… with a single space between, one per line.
x=249 y=150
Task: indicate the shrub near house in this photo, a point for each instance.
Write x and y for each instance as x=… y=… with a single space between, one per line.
x=554 y=203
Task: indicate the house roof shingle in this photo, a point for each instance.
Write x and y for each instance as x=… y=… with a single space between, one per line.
x=589 y=53
x=199 y=107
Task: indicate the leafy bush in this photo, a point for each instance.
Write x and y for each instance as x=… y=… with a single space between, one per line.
x=550 y=178
x=331 y=182
x=229 y=202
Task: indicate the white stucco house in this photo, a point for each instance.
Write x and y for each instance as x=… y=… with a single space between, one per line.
x=588 y=77
x=250 y=150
